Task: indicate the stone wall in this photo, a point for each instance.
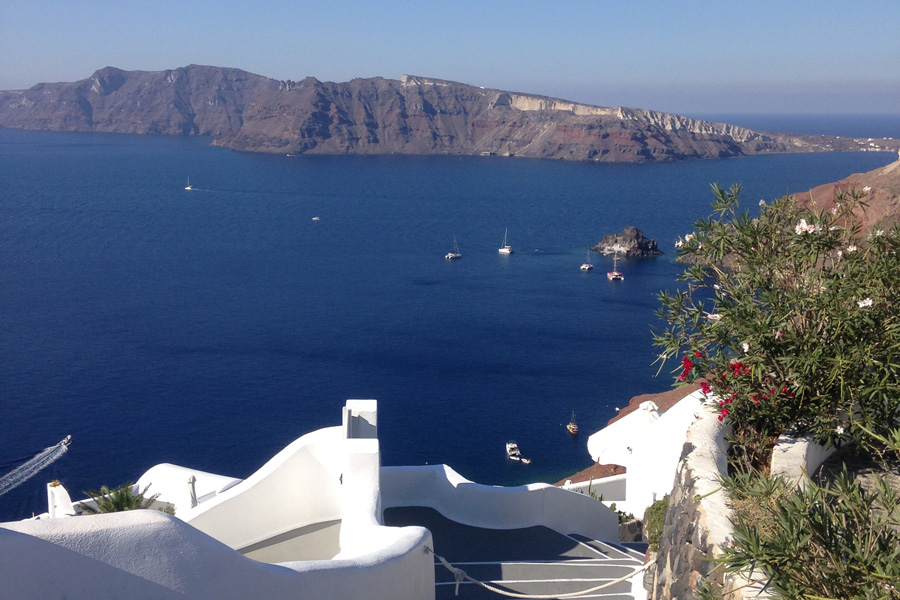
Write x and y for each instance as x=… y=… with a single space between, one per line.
x=697 y=522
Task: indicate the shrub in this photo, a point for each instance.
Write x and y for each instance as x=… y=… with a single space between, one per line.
x=117 y=499
x=834 y=541
x=791 y=319
x=654 y=519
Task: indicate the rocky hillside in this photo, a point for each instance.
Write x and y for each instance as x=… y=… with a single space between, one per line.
x=414 y=115
x=882 y=195
x=191 y=100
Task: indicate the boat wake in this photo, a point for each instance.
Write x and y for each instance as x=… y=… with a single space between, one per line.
x=41 y=460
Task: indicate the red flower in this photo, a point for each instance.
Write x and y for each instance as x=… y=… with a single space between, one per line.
x=705 y=388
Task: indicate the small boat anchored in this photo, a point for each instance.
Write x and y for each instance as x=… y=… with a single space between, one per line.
x=587 y=266
x=572 y=427
x=614 y=275
x=455 y=253
x=505 y=248
x=513 y=453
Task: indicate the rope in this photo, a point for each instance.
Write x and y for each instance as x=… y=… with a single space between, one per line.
x=459 y=575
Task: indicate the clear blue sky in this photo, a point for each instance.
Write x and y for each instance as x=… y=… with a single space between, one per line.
x=686 y=57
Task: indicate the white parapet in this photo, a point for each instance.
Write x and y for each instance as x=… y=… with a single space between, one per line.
x=455 y=497
x=148 y=555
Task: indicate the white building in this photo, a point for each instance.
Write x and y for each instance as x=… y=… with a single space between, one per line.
x=648 y=444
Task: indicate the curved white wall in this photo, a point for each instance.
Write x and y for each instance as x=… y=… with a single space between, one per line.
x=443 y=489
x=299 y=486
x=147 y=555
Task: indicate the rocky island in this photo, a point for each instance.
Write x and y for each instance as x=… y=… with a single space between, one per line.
x=413 y=115
x=630 y=242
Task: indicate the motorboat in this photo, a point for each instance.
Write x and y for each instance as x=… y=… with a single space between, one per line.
x=614 y=275
x=572 y=427
x=505 y=248
x=455 y=253
x=512 y=452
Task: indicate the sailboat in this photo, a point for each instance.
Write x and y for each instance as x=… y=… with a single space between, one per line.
x=572 y=427
x=587 y=266
x=505 y=248
x=188 y=186
x=455 y=253
x=614 y=275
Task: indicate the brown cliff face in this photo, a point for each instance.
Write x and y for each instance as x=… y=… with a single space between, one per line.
x=415 y=115
x=881 y=202
x=191 y=100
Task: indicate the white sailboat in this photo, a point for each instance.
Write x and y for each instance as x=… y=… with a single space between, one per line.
x=614 y=275
x=455 y=253
x=587 y=266
x=188 y=186
x=505 y=248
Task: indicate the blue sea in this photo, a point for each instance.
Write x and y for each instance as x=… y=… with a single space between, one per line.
x=210 y=328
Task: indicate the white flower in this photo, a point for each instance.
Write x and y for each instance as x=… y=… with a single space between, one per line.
x=852 y=248
x=867 y=189
x=840 y=254
x=746 y=347
x=879 y=233
x=679 y=244
x=714 y=316
x=865 y=303
x=688 y=237
x=778 y=334
x=762 y=202
x=804 y=227
x=839 y=429
x=834 y=210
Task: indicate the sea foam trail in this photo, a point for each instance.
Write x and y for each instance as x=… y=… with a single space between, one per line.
x=41 y=460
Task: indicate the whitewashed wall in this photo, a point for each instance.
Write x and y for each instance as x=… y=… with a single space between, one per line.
x=299 y=486
x=443 y=489
x=147 y=555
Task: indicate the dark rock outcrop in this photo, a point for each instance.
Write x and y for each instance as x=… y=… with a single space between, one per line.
x=631 y=242
x=415 y=115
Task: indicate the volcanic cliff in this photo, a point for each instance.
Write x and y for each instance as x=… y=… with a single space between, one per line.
x=414 y=115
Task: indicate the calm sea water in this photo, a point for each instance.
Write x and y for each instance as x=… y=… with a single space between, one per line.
x=211 y=328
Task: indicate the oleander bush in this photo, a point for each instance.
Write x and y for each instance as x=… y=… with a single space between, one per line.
x=791 y=322
x=837 y=540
